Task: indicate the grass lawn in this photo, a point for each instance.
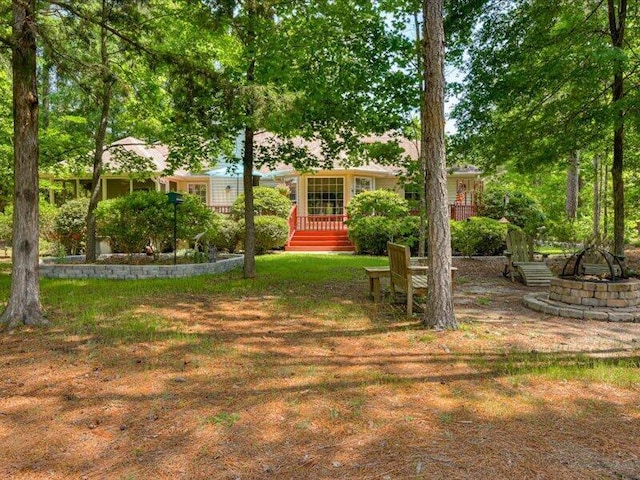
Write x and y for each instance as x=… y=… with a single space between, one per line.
x=298 y=374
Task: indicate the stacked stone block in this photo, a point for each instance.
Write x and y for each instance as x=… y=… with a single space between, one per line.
x=137 y=272
x=621 y=294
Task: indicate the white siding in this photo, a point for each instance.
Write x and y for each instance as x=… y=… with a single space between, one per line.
x=220 y=195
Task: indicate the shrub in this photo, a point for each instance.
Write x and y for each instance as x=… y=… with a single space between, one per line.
x=478 y=236
x=371 y=234
x=380 y=216
x=377 y=203
x=271 y=232
x=47 y=220
x=70 y=226
x=223 y=234
x=6 y=225
x=521 y=210
x=134 y=221
x=266 y=201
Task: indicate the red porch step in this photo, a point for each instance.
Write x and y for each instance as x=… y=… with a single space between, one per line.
x=320 y=241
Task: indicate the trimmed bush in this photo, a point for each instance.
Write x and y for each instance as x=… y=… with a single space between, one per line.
x=224 y=234
x=371 y=234
x=70 y=225
x=478 y=236
x=134 y=221
x=47 y=216
x=377 y=203
x=380 y=216
x=271 y=233
x=266 y=201
x=47 y=220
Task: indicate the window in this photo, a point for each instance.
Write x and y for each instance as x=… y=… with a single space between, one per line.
x=292 y=186
x=199 y=190
x=362 y=184
x=325 y=196
x=412 y=192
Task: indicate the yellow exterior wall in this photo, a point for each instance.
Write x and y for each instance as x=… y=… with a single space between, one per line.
x=378 y=183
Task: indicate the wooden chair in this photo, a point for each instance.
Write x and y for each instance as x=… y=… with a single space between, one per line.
x=407 y=277
x=403 y=276
x=519 y=261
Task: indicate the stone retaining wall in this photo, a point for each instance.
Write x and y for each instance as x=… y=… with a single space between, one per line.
x=136 y=272
x=541 y=303
x=622 y=294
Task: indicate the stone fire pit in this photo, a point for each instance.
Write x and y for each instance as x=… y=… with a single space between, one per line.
x=620 y=294
x=592 y=291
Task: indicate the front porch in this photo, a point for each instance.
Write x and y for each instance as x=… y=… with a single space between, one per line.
x=330 y=233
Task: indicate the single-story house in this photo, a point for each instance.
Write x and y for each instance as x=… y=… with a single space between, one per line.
x=319 y=196
x=217 y=188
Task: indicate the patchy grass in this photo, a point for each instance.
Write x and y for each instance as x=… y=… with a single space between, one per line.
x=298 y=374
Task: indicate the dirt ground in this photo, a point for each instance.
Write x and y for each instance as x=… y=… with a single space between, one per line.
x=254 y=392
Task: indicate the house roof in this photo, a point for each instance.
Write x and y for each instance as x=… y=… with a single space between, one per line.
x=232 y=170
x=410 y=147
x=157 y=156
x=156 y=153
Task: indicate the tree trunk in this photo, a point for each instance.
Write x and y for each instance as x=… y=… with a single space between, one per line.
x=247 y=159
x=617 y=20
x=24 y=301
x=439 y=309
x=596 y=200
x=573 y=186
x=422 y=241
x=249 y=224
x=605 y=200
x=100 y=136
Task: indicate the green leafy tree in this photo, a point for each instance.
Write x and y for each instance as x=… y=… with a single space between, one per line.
x=323 y=71
x=70 y=225
x=96 y=57
x=518 y=208
x=545 y=79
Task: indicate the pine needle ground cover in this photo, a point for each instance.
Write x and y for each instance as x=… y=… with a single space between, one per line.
x=298 y=374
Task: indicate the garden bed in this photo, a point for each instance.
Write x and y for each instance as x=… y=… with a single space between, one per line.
x=115 y=267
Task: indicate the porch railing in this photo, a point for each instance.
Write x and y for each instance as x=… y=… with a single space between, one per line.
x=336 y=222
x=462 y=212
x=293 y=222
x=224 y=209
x=321 y=222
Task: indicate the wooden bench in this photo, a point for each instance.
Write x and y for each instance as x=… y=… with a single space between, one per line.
x=411 y=279
x=374 y=274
